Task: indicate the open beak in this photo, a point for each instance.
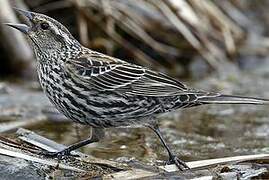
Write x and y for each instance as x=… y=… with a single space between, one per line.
x=23 y=27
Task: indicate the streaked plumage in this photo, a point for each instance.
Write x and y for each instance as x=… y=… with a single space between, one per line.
x=101 y=91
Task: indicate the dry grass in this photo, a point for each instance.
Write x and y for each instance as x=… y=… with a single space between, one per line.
x=161 y=34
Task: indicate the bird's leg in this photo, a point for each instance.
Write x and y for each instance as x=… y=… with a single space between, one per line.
x=173 y=159
x=96 y=135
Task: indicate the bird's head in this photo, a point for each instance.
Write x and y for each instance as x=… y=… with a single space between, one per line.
x=47 y=35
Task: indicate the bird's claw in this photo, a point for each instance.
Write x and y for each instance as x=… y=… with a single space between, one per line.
x=181 y=165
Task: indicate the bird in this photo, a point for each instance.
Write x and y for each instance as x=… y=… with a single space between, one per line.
x=103 y=92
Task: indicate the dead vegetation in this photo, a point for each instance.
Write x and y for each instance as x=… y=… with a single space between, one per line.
x=161 y=34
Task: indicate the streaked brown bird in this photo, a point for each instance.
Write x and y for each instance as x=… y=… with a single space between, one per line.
x=102 y=91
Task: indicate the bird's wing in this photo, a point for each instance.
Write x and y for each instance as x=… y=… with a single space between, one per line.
x=110 y=74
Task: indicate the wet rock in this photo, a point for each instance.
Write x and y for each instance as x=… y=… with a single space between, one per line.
x=243 y=171
x=14 y=168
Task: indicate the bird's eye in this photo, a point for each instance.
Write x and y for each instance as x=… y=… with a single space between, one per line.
x=44 y=26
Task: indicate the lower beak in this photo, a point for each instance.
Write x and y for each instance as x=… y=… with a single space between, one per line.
x=21 y=27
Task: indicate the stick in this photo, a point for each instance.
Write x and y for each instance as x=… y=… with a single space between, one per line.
x=209 y=162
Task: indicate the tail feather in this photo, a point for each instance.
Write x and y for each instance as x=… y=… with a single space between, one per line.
x=229 y=99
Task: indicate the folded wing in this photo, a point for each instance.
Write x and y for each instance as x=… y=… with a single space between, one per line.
x=105 y=73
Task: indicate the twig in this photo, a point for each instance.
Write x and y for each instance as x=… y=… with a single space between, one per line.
x=210 y=162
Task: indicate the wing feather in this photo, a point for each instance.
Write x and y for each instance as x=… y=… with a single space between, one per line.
x=109 y=74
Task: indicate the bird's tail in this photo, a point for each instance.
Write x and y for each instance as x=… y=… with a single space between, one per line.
x=229 y=99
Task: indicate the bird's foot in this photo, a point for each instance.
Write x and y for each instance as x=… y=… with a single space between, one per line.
x=181 y=165
x=58 y=154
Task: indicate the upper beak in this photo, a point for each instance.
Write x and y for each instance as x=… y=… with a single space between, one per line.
x=23 y=27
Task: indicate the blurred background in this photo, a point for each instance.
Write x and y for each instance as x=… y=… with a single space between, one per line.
x=209 y=44
x=182 y=38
